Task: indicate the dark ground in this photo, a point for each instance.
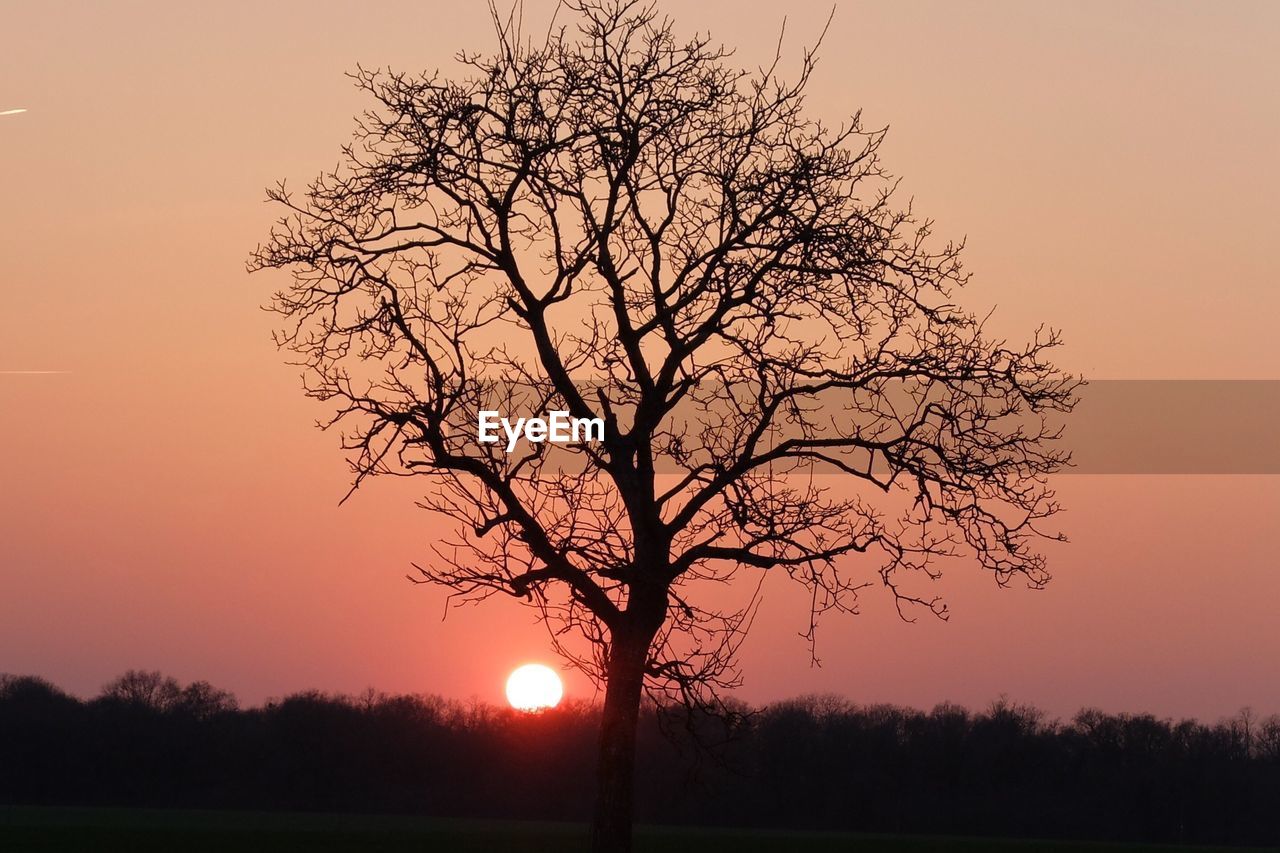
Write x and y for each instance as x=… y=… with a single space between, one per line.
x=46 y=830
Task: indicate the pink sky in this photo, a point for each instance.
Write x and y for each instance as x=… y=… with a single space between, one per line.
x=1112 y=166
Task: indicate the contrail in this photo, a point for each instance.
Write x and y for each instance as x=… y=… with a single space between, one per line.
x=11 y=112
x=32 y=372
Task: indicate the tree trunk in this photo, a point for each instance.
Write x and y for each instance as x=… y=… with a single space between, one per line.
x=611 y=828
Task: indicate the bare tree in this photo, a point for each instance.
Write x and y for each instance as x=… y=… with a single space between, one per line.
x=149 y=689
x=614 y=222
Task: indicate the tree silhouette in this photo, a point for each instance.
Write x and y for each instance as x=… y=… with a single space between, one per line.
x=616 y=223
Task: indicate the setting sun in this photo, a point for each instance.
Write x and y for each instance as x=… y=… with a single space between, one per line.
x=534 y=687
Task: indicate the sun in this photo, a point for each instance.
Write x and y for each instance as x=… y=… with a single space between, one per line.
x=534 y=687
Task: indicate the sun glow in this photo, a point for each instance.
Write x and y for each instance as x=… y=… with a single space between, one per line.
x=534 y=687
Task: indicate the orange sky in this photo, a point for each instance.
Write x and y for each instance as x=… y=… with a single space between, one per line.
x=1112 y=164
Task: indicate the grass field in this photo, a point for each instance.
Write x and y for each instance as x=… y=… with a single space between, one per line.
x=152 y=831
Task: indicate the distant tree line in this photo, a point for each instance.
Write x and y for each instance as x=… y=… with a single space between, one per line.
x=812 y=763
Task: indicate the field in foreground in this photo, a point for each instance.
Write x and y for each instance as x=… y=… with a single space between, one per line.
x=143 y=831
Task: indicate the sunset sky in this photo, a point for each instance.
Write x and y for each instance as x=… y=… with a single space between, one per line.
x=167 y=504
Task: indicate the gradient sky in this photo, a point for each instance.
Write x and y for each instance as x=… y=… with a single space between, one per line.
x=166 y=503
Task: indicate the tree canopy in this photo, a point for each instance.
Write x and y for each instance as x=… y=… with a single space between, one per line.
x=616 y=222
